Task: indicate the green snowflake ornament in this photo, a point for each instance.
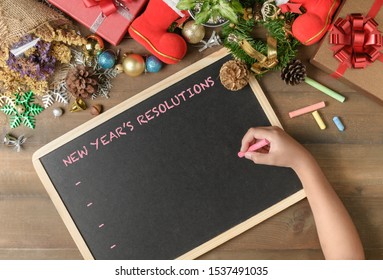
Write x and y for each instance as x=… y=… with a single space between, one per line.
x=22 y=110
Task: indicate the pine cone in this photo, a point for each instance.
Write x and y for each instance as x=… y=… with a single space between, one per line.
x=81 y=83
x=294 y=72
x=234 y=75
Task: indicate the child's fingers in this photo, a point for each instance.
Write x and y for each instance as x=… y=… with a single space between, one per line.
x=258 y=158
x=252 y=135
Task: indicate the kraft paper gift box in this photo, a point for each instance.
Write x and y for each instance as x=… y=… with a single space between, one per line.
x=109 y=19
x=357 y=41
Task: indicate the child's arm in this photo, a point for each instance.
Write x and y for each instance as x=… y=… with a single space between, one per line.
x=337 y=234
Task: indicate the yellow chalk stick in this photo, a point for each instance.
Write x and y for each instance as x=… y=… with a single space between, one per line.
x=319 y=120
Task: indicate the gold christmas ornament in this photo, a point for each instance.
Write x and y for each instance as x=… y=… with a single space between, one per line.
x=133 y=64
x=78 y=105
x=119 y=68
x=234 y=75
x=192 y=32
x=247 y=13
x=94 y=45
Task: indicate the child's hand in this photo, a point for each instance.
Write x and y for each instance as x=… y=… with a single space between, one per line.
x=283 y=150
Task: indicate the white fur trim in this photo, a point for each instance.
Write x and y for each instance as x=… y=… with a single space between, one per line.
x=172 y=4
x=281 y=2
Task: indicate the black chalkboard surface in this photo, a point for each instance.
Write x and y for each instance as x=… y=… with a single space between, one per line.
x=158 y=176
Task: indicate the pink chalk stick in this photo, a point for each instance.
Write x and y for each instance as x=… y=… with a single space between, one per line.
x=307 y=109
x=255 y=147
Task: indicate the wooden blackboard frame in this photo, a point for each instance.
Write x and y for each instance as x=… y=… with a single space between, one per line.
x=207 y=246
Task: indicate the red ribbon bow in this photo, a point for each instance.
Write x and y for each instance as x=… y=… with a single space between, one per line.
x=108 y=7
x=357 y=41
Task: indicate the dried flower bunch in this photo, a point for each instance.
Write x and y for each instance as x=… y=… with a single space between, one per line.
x=50 y=37
x=37 y=63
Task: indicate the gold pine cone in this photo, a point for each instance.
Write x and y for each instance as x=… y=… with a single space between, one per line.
x=234 y=75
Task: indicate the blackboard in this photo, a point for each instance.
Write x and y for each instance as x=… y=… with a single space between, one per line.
x=158 y=176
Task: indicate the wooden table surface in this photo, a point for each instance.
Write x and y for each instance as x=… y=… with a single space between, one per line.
x=352 y=160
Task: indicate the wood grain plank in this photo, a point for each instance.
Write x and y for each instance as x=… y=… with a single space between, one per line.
x=352 y=160
x=40 y=254
x=31 y=221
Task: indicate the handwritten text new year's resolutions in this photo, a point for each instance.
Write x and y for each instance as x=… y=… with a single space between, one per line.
x=129 y=126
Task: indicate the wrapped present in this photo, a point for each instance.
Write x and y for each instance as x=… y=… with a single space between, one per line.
x=353 y=49
x=108 y=18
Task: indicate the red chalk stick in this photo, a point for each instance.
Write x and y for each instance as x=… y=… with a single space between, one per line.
x=255 y=147
x=307 y=109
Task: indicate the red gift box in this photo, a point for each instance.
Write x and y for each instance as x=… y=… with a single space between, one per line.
x=108 y=18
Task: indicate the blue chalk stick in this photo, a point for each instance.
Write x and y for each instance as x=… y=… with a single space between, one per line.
x=338 y=123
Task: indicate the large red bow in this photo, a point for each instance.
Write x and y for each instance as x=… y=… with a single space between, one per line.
x=357 y=41
x=107 y=6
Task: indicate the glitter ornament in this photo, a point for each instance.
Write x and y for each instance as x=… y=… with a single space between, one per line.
x=133 y=64
x=57 y=112
x=153 y=64
x=192 y=32
x=106 y=59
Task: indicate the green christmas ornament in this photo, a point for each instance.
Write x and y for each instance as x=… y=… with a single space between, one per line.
x=22 y=110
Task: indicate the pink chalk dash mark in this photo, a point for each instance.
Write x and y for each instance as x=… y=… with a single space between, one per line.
x=102 y=225
x=78 y=183
x=113 y=246
x=254 y=147
x=89 y=204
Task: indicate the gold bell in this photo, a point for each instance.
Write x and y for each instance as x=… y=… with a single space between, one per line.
x=78 y=105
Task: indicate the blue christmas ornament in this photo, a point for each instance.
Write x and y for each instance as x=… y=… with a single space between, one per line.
x=153 y=64
x=107 y=59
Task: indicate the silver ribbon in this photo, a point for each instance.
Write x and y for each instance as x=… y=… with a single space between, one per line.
x=121 y=9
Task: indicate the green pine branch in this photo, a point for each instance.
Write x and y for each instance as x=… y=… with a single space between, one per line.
x=286 y=47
